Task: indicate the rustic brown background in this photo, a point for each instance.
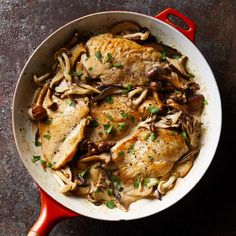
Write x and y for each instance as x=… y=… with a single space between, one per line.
x=210 y=208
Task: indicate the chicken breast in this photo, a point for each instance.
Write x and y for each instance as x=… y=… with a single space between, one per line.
x=148 y=154
x=112 y=119
x=63 y=130
x=119 y=61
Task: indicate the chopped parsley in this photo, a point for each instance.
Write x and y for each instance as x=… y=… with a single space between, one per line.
x=146 y=137
x=176 y=56
x=127 y=89
x=93 y=124
x=72 y=103
x=43 y=162
x=121 y=153
x=131 y=149
x=37 y=142
x=153 y=137
x=132 y=119
x=108 y=128
x=109 y=57
x=110 y=204
x=124 y=115
x=35 y=158
x=205 y=102
x=146 y=181
x=191 y=75
x=63 y=139
x=109 y=191
x=110 y=117
x=98 y=55
x=153 y=109
x=49 y=164
x=121 y=126
x=83 y=174
x=137 y=182
x=184 y=134
x=117 y=65
x=98 y=190
x=47 y=136
x=76 y=73
x=163 y=56
x=90 y=68
x=109 y=99
x=116 y=182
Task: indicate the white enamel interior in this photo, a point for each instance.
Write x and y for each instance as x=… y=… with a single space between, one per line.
x=98 y=23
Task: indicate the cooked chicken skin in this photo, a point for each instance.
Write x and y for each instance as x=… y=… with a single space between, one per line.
x=59 y=139
x=119 y=61
x=115 y=114
x=148 y=154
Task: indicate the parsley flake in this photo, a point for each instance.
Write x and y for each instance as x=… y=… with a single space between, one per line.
x=47 y=136
x=83 y=174
x=116 y=182
x=110 y=204
x=128 y=88
x=137 y=182
x=153 y=109
x=153 y=137
x=108 y=128
x=109 y=99
x=93 y=124
x=109 y=57
x=116 y=65
x=124 y=115
x=35 y=158
x=184 y=134
x=109 y=191
x=121 y=126
x=98 y=55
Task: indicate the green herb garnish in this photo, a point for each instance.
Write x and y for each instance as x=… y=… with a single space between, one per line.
x=110 y=204
x=191 y=75
x=117 y=65
x=150 y=158
x=127 y=89
x=37 y=142
x=121 y=126
x=98 y=190
x=176 y=56
x=153 y=137
x=63 y=140
x=76 y=73
x=108 y=128
x=47 y=136
x=109 y=191
x=131 y=149
x=110 y=117
x=90 y=68
x=132 y=119
x=109 y=57
x=49 y=165
x=35 y=158
x=124 y=115
x=109 y=99
x=153 y=109
x=137 y=182
x=98 y=55
x=184 y=134
x=121 y=153
x=205 y=102
x=83 y=174
x=163 y=56
x=116 y=182
x=146 y=181
x=146 y=137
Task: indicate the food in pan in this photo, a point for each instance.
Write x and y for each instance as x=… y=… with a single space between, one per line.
x=118 y=117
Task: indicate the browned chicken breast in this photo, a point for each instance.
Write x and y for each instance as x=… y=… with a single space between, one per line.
x=148 y=154
x=119 y=60
x=112 y=119
x=63 y=130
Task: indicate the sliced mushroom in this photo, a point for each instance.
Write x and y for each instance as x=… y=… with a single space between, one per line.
x=137 y=36
x=190 y=156
x=39 y=80
x=168 y=121
x=183 y=168
x=126 y=27
x=76 y=52
x=56 y=79
x=179 y=64
x=164 y=186
x=59 y=52
x=106 y=157
x=106 y=92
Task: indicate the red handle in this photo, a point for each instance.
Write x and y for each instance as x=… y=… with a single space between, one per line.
x=189 y=33
x=51 y=213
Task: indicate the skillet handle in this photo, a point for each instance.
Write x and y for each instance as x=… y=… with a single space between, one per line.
x=51 y=213
x=189 y=33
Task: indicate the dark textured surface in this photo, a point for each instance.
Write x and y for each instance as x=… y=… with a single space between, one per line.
x=210 y=208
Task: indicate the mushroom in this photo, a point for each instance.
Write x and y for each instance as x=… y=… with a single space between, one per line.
x=168 y=121
x=126 y=27
x=174 y=79
x=139 y=194
x=193 y=129
x=166 y=185
x=179 y=64
x=190 y=156
x=56 y=79
x=137 y=36
x=135 y=102
x=194 y=104
x=154 y=73
x=183 y=168
x=76 y=52
x=59 y=52
x=73 y=41
x=39 y=80
x=106 y=92
x=106 y=157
